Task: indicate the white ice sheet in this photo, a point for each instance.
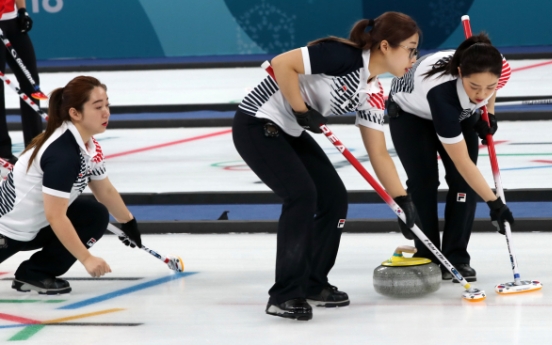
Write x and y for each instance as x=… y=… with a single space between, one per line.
x=223 y=303
x=230 y=85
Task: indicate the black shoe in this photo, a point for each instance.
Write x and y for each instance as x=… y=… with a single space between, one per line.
x=445 y=274
x=297 y=309
x=48 y=286
x=466 y=271
x=329 y=297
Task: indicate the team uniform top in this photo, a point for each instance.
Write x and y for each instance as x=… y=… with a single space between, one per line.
x=8 y=10
x=62 y=168
x=438 y=98
x=335 y=82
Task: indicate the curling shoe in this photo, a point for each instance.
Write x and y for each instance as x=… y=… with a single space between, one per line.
x=297 y=309
x=445 y=274
x=329 y=297
x=48 y=286
x=466 y=271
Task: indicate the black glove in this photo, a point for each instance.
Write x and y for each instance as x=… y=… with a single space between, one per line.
x=311 y=120
x=482 y=127
x=406 y=204
x=131 y=230
x=500 y=213
x=25 y=22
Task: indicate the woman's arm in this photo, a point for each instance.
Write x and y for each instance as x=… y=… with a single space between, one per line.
x=106 y=193
x=385 y=169
x=20 y=4
x=287 y=67
x=458 y=152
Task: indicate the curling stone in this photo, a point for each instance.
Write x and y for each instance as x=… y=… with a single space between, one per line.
x=406 y=277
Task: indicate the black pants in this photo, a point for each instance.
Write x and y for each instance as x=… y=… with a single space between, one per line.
x=30 y=120
x=417 y=145
x=89 y=218
x=315 y=199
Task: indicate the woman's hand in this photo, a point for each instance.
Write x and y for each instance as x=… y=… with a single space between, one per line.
x=96 y=266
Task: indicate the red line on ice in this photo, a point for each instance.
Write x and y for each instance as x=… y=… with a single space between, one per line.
x=18 y=319
x=531 y=66
x=148 y=148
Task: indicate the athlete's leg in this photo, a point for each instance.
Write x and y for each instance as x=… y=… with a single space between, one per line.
x=89 y=218
x=416 y=144
x=275 y=162
x=461 y=202
x=21 y=42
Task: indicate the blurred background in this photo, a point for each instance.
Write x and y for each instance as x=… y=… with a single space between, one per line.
x=103 y=29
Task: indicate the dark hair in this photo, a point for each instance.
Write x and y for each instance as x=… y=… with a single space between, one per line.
x=73 y=95
x=393 y=27
x=475 y=55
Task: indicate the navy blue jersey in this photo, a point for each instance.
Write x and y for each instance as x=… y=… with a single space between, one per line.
x=63 y=167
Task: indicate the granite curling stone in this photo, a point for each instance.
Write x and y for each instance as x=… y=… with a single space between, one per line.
x=406 y=277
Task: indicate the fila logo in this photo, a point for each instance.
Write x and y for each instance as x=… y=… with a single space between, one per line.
x=461 y=197
x=341 y=224
x=91 y=242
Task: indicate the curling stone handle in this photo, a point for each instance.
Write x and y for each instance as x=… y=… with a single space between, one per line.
x=404 y=249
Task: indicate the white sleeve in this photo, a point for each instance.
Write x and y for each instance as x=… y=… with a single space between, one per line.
x=98 y=172
x=371 y=109
x=370 y=118
x=306 y=60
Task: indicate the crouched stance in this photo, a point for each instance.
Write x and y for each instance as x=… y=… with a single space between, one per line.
x=39 y=201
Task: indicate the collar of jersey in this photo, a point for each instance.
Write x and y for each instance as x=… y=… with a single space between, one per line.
x=71 y=127
x=367 y=87
x=465 y=100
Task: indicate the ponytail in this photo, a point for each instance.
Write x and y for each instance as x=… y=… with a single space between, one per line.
x=73 y=95
x=394 y=27
x=359 y=35
x=54 y=121
x=475 y=55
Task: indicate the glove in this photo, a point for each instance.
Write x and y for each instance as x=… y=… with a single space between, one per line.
x=500 y=213
x=482 y=127
x=25 y=22
x=406 y=204
x=311 y=120
x=131 y=230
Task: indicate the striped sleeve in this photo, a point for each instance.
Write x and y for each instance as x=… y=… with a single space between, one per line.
x=505 y=76
x=370 y=112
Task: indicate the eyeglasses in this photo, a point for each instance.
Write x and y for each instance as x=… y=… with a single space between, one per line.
x=413 y=51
